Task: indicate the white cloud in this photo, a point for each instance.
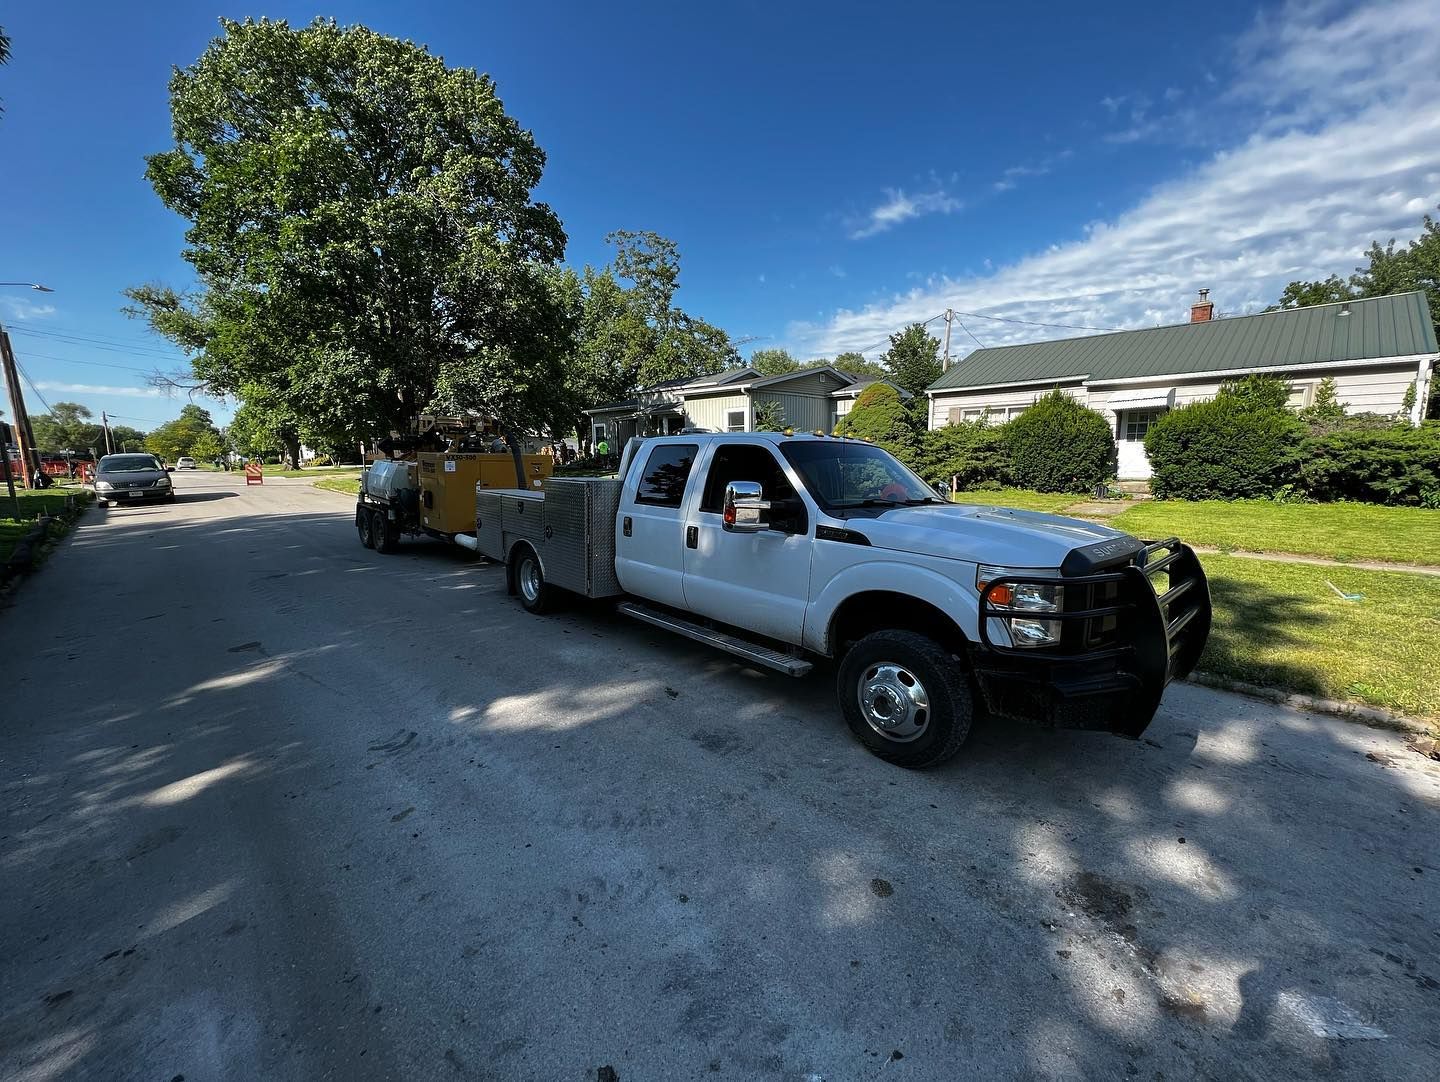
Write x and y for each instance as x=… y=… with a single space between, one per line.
x=94 y=388
x=21 y=308
x=1342 y=146
x=899 y=207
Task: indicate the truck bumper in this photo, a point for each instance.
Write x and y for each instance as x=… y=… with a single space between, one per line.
x=1132 y=631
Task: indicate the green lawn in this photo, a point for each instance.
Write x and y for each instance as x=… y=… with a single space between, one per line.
x=346 y=483
x=314 y=471
x=1345 y=531
x=32 y=504
x=1019 y=497
x=1281 y=626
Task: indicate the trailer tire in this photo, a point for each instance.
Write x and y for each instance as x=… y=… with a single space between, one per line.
x=906 y=698
x=537 y=595
x=387 y=535
x=365 y=525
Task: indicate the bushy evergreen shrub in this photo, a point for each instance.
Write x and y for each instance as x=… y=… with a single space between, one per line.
x=1058 y=445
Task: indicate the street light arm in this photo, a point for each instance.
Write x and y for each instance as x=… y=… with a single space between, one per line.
x=30 y=285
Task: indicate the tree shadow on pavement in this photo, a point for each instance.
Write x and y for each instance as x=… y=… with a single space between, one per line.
x=384 y=822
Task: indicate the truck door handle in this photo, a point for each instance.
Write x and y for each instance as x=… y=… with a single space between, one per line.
x=627 y=526
x=692 y=537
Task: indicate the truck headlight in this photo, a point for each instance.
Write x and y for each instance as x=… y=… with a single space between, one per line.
x=1027 y=597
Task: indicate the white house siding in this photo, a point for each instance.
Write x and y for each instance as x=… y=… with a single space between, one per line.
x=1000 y=401
x=803 y=412
x=709 y=412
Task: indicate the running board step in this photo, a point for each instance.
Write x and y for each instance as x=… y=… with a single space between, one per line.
x=742 y=648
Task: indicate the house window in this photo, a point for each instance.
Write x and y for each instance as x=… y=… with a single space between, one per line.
x=1301 y=395
x=1013 y=412
x=734 y=420
x=1137 y=423
x=597 y=433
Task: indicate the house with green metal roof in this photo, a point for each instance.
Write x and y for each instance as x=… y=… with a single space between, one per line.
x=1374 y=349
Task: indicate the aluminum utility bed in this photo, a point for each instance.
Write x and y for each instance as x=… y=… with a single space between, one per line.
x=571 y=527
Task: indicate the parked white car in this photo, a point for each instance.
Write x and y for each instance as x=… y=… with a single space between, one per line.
x=185 y=462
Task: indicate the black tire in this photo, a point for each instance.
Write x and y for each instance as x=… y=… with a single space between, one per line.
x=365 y=525
x=537 y=595
x=170 y=498
x=911 y=685
x=387 y=535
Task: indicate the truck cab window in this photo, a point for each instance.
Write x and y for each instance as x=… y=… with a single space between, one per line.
x=743 y=462
x=666 y=471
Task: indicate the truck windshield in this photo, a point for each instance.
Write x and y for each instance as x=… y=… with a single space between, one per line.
x=843 y=474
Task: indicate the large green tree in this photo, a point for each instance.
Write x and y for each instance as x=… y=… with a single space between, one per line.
x=913 y=358
x=360 y=220
x=69 y=426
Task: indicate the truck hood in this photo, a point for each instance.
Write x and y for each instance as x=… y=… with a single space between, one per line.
x=989 y=535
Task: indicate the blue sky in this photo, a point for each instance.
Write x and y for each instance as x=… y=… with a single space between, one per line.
x=830 y=172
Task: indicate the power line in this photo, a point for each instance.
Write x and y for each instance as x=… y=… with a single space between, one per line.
x=1034 y=323
x=26 y=376
x=101 y=344
x=968 y=331
x=116 y=339
x=92 y=364
x=886 y=340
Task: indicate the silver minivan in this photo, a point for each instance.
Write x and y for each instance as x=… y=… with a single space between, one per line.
x=132 y=479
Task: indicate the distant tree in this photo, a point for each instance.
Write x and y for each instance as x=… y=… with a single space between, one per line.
x=913 y=358
x=1390 y=269
x=773 y=362
x=857 y=365
x=67 y=427
x=1304 y=294
x=179 y=437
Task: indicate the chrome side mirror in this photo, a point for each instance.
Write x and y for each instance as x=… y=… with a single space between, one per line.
x=745 y=507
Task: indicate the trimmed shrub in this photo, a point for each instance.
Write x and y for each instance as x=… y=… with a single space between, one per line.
x=972 y=453
x=1058 y=445
x=1229 y=447
x=880 y=415
x=1398 y=465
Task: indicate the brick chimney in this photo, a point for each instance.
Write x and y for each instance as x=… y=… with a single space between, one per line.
x=1203 y=310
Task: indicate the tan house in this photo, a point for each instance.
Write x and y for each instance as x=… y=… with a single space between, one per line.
x=809 y=400
x=1374 y=350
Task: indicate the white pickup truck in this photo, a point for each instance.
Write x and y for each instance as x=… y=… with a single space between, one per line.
x=782 y=549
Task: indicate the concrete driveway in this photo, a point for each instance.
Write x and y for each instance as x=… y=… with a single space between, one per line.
x=276 y=806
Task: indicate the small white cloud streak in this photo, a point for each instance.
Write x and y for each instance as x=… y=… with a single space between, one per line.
x=21 y=308
x=899 y=207
x=100 y=388
x=1324 y=170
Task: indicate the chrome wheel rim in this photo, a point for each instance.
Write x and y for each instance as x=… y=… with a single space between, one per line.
x=529 y=578
x=894 y=701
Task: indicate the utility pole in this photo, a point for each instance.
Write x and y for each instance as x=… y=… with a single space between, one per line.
x=5 y=466
x=949 y=315
x=105 y=424
x=24 y=435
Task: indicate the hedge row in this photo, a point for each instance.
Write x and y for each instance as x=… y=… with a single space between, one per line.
x=1244 y=443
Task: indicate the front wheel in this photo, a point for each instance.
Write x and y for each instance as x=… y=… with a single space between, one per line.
x=536 y=594
x=365 y=525
x=906 y=698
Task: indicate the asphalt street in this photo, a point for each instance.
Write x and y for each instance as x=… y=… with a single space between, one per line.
x=276 y=806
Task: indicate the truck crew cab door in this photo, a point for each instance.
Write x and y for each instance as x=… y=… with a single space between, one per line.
x=650 y=526
x=756 y=581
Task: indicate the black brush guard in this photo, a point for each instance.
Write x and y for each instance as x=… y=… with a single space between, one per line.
x=1123 y=638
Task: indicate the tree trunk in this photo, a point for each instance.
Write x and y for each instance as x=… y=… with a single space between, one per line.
x=512 y=439
x=292 y=451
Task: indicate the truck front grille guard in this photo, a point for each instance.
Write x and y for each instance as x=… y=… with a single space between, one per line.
x=1159 y=634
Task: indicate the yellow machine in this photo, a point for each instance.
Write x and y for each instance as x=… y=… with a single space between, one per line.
x=448 y=482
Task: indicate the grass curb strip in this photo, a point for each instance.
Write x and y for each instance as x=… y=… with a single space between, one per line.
x=1373 y=716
